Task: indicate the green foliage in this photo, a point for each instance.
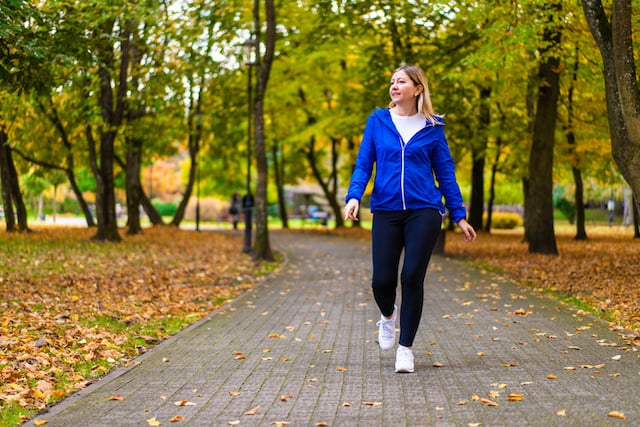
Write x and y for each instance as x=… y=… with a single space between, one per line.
x=165 y=208
x=504 y=220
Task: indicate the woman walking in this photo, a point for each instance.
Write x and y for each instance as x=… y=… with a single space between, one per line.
x=407 y=144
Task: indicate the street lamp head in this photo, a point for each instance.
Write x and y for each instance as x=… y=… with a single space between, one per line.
x=249 y=52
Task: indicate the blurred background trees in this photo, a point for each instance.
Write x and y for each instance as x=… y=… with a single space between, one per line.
x=143 y=106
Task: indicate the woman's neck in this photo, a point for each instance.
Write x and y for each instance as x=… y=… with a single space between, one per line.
x=404 y=110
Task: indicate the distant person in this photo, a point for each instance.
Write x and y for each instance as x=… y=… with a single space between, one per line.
x=611 y=206
x=234 y=209
x=407 y=144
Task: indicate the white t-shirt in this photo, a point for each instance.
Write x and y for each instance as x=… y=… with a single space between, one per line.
x=408 y=125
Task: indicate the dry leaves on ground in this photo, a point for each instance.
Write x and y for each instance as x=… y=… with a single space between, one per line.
x=602 y=272
x=73 y=308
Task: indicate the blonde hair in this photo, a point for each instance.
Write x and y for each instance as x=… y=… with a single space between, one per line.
x=423 y=101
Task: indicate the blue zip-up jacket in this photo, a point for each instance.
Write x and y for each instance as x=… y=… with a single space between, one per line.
x=406 y=173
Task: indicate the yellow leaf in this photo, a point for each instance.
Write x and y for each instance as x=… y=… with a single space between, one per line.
x=252 y=411
x=515 y=397
x=340 y=368
x=40 y=422
x=616 y=414
x=346 y=404
x=153 y=422
x=552 y=377
x=562 y=413
x=462 y=402
x=489 y=402
x=234 y=393
x=177 y=418
x=184 y=403
x=234 y=422
x=372 y=403
x=118 y=397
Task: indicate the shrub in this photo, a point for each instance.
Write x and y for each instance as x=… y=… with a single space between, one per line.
x=165 y=208
x=504 y=220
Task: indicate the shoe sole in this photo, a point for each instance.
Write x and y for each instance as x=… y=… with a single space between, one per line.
x=385 y=348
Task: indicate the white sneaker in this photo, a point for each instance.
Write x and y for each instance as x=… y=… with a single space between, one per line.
x=404 y=360
x=387 y=330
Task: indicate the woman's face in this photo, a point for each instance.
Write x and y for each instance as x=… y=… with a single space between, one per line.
x=402 y=88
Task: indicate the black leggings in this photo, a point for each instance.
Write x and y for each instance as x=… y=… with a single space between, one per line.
x=416 y=232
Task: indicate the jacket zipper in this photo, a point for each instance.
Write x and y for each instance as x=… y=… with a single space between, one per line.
x=404 y=202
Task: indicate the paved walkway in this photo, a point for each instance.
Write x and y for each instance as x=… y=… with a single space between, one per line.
x=299 y=349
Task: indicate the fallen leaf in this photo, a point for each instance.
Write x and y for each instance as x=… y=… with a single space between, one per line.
x=40 y=422
x=616 y=414
x=252 y=411
x=372 y=403
x=562 y=413
x=321 y=424
x=438 y=365
x=234 y=422
x=617 y=357
x=462 y=402
x=118 y=397
x=177 y=418
x=552 y=377
x=489 y=402
x=340 y=368
x=184 y=403
x=153 y=422
x=286 y=398
x=346 y=404
x=515 y=397
x=234 y=393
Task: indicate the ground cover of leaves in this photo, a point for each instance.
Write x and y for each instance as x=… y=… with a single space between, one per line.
x=602 y=272
x=72 y=309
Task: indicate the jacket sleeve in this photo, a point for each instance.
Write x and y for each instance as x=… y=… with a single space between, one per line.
x=364 y=164
x=444 y=169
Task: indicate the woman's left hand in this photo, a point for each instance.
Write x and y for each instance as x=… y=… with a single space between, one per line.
x=469 y=233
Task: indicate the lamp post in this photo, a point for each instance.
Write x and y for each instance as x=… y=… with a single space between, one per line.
x=247 y=199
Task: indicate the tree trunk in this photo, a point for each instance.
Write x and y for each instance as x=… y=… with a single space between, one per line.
x=478 y=152
x=330 y=194
x=279 y=176
x=54 y=118
x=492 y=186
x=636 y=219
x=14 y=188
x=623 y=97
x=154 y=216
x=540 y=198
x=581 y=232
x=262 y=246
x=353 y=151
x=5 y=181
x=133 y=186
x=112 y=109
x=195 y=134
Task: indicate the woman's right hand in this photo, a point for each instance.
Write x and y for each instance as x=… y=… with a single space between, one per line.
x=351 y=210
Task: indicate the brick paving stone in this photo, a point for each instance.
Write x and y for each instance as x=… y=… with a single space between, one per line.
x=481 y=337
